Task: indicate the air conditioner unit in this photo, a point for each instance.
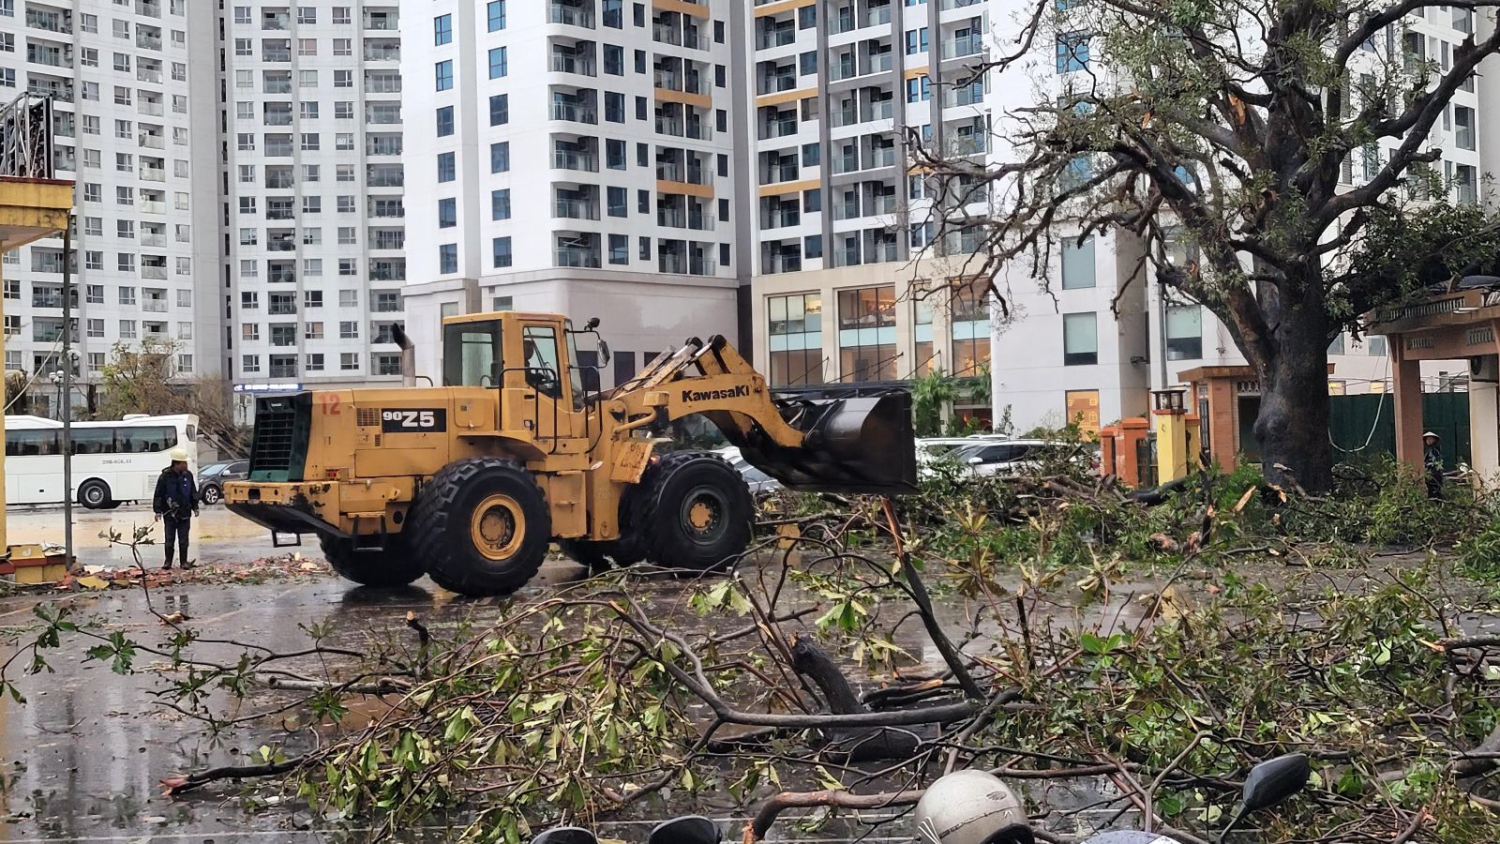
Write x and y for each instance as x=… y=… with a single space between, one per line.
x=1484 y=368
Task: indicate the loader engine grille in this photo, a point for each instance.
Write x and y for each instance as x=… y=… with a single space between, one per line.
x=278 y=450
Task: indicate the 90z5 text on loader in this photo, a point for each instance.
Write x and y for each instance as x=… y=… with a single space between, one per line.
x=471 y=481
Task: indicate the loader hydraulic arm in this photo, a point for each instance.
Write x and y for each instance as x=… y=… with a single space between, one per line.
x=852 y=444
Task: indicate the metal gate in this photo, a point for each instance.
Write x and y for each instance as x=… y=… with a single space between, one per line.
x=1145 y=461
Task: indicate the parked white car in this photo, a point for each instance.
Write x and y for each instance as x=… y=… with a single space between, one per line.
x=1009 y=458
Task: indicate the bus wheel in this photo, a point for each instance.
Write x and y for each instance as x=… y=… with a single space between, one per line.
x=94 y=494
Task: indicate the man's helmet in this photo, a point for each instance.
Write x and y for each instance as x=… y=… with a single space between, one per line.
x=1130 y=837
x=971 y=807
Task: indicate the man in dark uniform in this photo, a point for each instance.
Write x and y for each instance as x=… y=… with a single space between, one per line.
x=175 y=504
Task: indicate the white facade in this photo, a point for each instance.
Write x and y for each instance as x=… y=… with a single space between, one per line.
x=135 y=132
x=573 y=157
x=313 y=214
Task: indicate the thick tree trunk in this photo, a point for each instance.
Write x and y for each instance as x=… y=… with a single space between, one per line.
x=1292 y=429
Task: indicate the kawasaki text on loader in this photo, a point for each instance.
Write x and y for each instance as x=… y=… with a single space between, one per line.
x=471 y=481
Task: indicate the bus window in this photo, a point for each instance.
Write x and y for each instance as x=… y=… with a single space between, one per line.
x=93 y=440
x=145 y=440
x=192 y=433
x=32 y=443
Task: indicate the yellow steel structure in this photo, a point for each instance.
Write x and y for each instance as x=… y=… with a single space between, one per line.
x=470 y=481
x=30 y=209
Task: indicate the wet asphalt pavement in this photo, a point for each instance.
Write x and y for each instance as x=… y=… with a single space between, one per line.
x=81 y=760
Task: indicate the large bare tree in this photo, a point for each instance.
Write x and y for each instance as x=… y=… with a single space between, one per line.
x=1272 y=137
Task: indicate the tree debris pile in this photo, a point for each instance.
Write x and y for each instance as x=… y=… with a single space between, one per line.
x=1040 y=628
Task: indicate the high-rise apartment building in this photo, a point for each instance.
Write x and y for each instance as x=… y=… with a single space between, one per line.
x=856 y=279
x=135 y=129
x=575 y=156
x=313 y=214
x=850 y=286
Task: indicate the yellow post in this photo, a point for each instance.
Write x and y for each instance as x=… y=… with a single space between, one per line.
x=1169 y=422
x=30 y=209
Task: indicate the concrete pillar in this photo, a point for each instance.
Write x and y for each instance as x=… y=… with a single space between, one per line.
x=1484 y=428
x=1408 y=395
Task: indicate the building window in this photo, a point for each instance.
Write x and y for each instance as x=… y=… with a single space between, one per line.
x=618 y=202
x=447 y=167
x=500 y=204
x=1080 y=339
x=447 y=213
x=614 y=154
x=448 y=258
x=1184 y=332
x=445 y=75
x=1077 y=264
x=442 y=30
x=1463 y=121
x=445 y=121
x=499 y=109
x=969 y=318
x=501 y=247
x=1072 y=51
x=496 y=11
x=795 y=339
x=867 y=334
x=349 y=361
x=614 y=60
x=614 y=107
x=619 y=248
x=500 y=157
x=613 y=14
x=499 y=65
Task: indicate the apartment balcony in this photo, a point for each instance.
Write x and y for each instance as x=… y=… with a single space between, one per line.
x=149 y=10
x=570 y=15
x=57 y=91
x=51 y=57
x=275 y=21
x=382 y=83
x=388 y=240
x=781 y=263
x=677 y=264
x=281 y=119
x=382 y=52
x=679 y=219
x=878 y=15
x=148 y=42
x=382 y=176
x=281 y=214
x=777 y=83
x=146 y=75
x=153 y=174
x=158 y=241
x=879 y=63
x=883 y=205
x=781 y=219
x=154 y=273
x=60 y=22
x=968 y=45
x=382 y=22
x=577 y=256
x=844 y=164
x=282 y=245
x=965 y=145
x=576 y=65
x=881 y=157
x=47 y=299
x=580 y=161
x=575 y=113
x=153 y=306
x=949 y=5
x=692 y=174
x=778 y=37
x=387 y=210
x=383 y=146
x=666 y=34
x=575 y=209
x=148 y=206
x=876 y=111
x=150 y=109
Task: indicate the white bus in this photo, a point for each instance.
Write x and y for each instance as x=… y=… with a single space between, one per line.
x=113 y=462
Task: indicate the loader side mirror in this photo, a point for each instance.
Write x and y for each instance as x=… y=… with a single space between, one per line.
x=603 y=349
x=592 y=324
x=1275 y=780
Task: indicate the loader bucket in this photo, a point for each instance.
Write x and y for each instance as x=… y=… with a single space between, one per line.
x=854 y=444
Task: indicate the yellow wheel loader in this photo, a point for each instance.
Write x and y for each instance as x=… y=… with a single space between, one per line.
x=471 y=481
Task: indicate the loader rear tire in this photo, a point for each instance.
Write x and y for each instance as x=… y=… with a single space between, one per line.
x=485 y=526
x=381 y=569
x=693 y=511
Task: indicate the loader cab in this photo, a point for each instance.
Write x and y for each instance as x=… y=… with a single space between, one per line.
x=528 y=358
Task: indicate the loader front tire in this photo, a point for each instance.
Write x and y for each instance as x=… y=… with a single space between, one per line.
x=485 y=526
x=381 y=569
x=693 y=511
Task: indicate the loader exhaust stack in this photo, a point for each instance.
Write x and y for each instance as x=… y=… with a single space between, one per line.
x=408 y=355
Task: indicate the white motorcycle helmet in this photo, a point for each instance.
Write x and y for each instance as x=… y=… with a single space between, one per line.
x=1130 y=837
x=972 y=807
